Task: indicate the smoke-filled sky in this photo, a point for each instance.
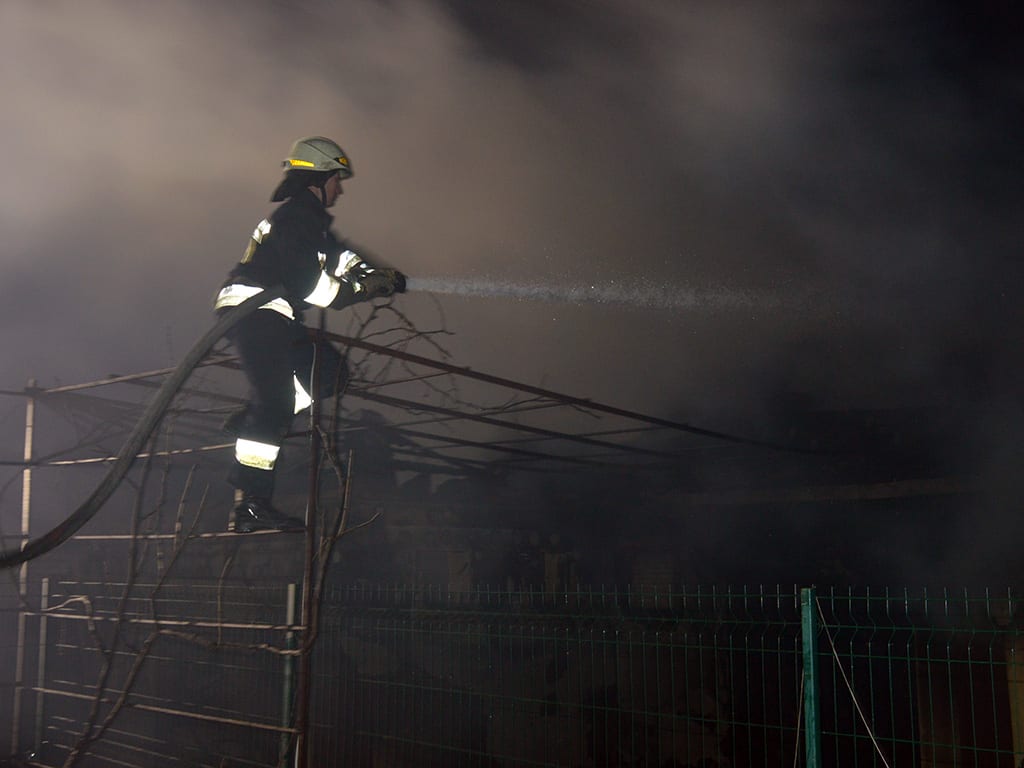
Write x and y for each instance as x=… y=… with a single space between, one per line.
x=818 y=198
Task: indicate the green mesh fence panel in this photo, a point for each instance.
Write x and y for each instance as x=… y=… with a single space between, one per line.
x=417 y=676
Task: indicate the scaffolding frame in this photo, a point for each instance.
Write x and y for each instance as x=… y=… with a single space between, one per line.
x=432 y=436
x=431 y=431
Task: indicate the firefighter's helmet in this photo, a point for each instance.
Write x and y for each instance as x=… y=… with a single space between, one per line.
x=316 y=153
x=311 y=163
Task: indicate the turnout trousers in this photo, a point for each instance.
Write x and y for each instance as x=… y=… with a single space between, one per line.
x=276 y=355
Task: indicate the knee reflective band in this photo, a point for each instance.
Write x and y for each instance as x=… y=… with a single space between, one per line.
x=137 y=440
x=252 y=453
x=302 y=398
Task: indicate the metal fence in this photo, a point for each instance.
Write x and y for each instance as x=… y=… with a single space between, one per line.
x=424 y=677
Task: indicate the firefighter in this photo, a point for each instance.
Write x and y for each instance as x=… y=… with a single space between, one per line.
x=293 y=247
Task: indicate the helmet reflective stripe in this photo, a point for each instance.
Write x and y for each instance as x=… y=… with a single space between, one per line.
x=251 y=453
x=326 y=290
x=302 y=398
x=235 y=294
x=317 y=153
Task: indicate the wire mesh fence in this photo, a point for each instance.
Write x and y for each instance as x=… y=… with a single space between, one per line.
x=587 y=678
x=122 y=675
x=922 y=677
x=416 y=676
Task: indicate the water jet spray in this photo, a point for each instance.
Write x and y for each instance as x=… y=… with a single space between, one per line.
x=645 y=294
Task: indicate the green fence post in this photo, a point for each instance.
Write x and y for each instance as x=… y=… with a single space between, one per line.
x=288 y=676
x=812 y=723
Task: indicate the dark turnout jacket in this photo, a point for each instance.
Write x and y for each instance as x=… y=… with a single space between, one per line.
x=295 y=247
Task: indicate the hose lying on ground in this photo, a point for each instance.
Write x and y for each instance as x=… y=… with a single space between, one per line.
x=137 y=440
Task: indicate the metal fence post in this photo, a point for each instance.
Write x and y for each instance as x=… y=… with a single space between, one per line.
x=304 y=682
x=44 y=604
x=809 y=629
x=288 y=681
x=26 y=507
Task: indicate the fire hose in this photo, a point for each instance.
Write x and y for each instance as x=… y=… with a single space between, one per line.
x=140 y=435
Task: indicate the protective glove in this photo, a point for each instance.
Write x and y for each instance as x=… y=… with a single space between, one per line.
x=382 y=282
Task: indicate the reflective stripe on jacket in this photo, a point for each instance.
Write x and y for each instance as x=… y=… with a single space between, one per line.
x=295 y=247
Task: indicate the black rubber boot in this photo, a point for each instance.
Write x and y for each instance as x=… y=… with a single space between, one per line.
x=254 y=513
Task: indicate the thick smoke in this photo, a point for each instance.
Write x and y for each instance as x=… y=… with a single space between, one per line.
x=846 y=171
x=817 y=151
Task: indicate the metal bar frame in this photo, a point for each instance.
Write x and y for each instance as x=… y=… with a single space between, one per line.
x=26 y=514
